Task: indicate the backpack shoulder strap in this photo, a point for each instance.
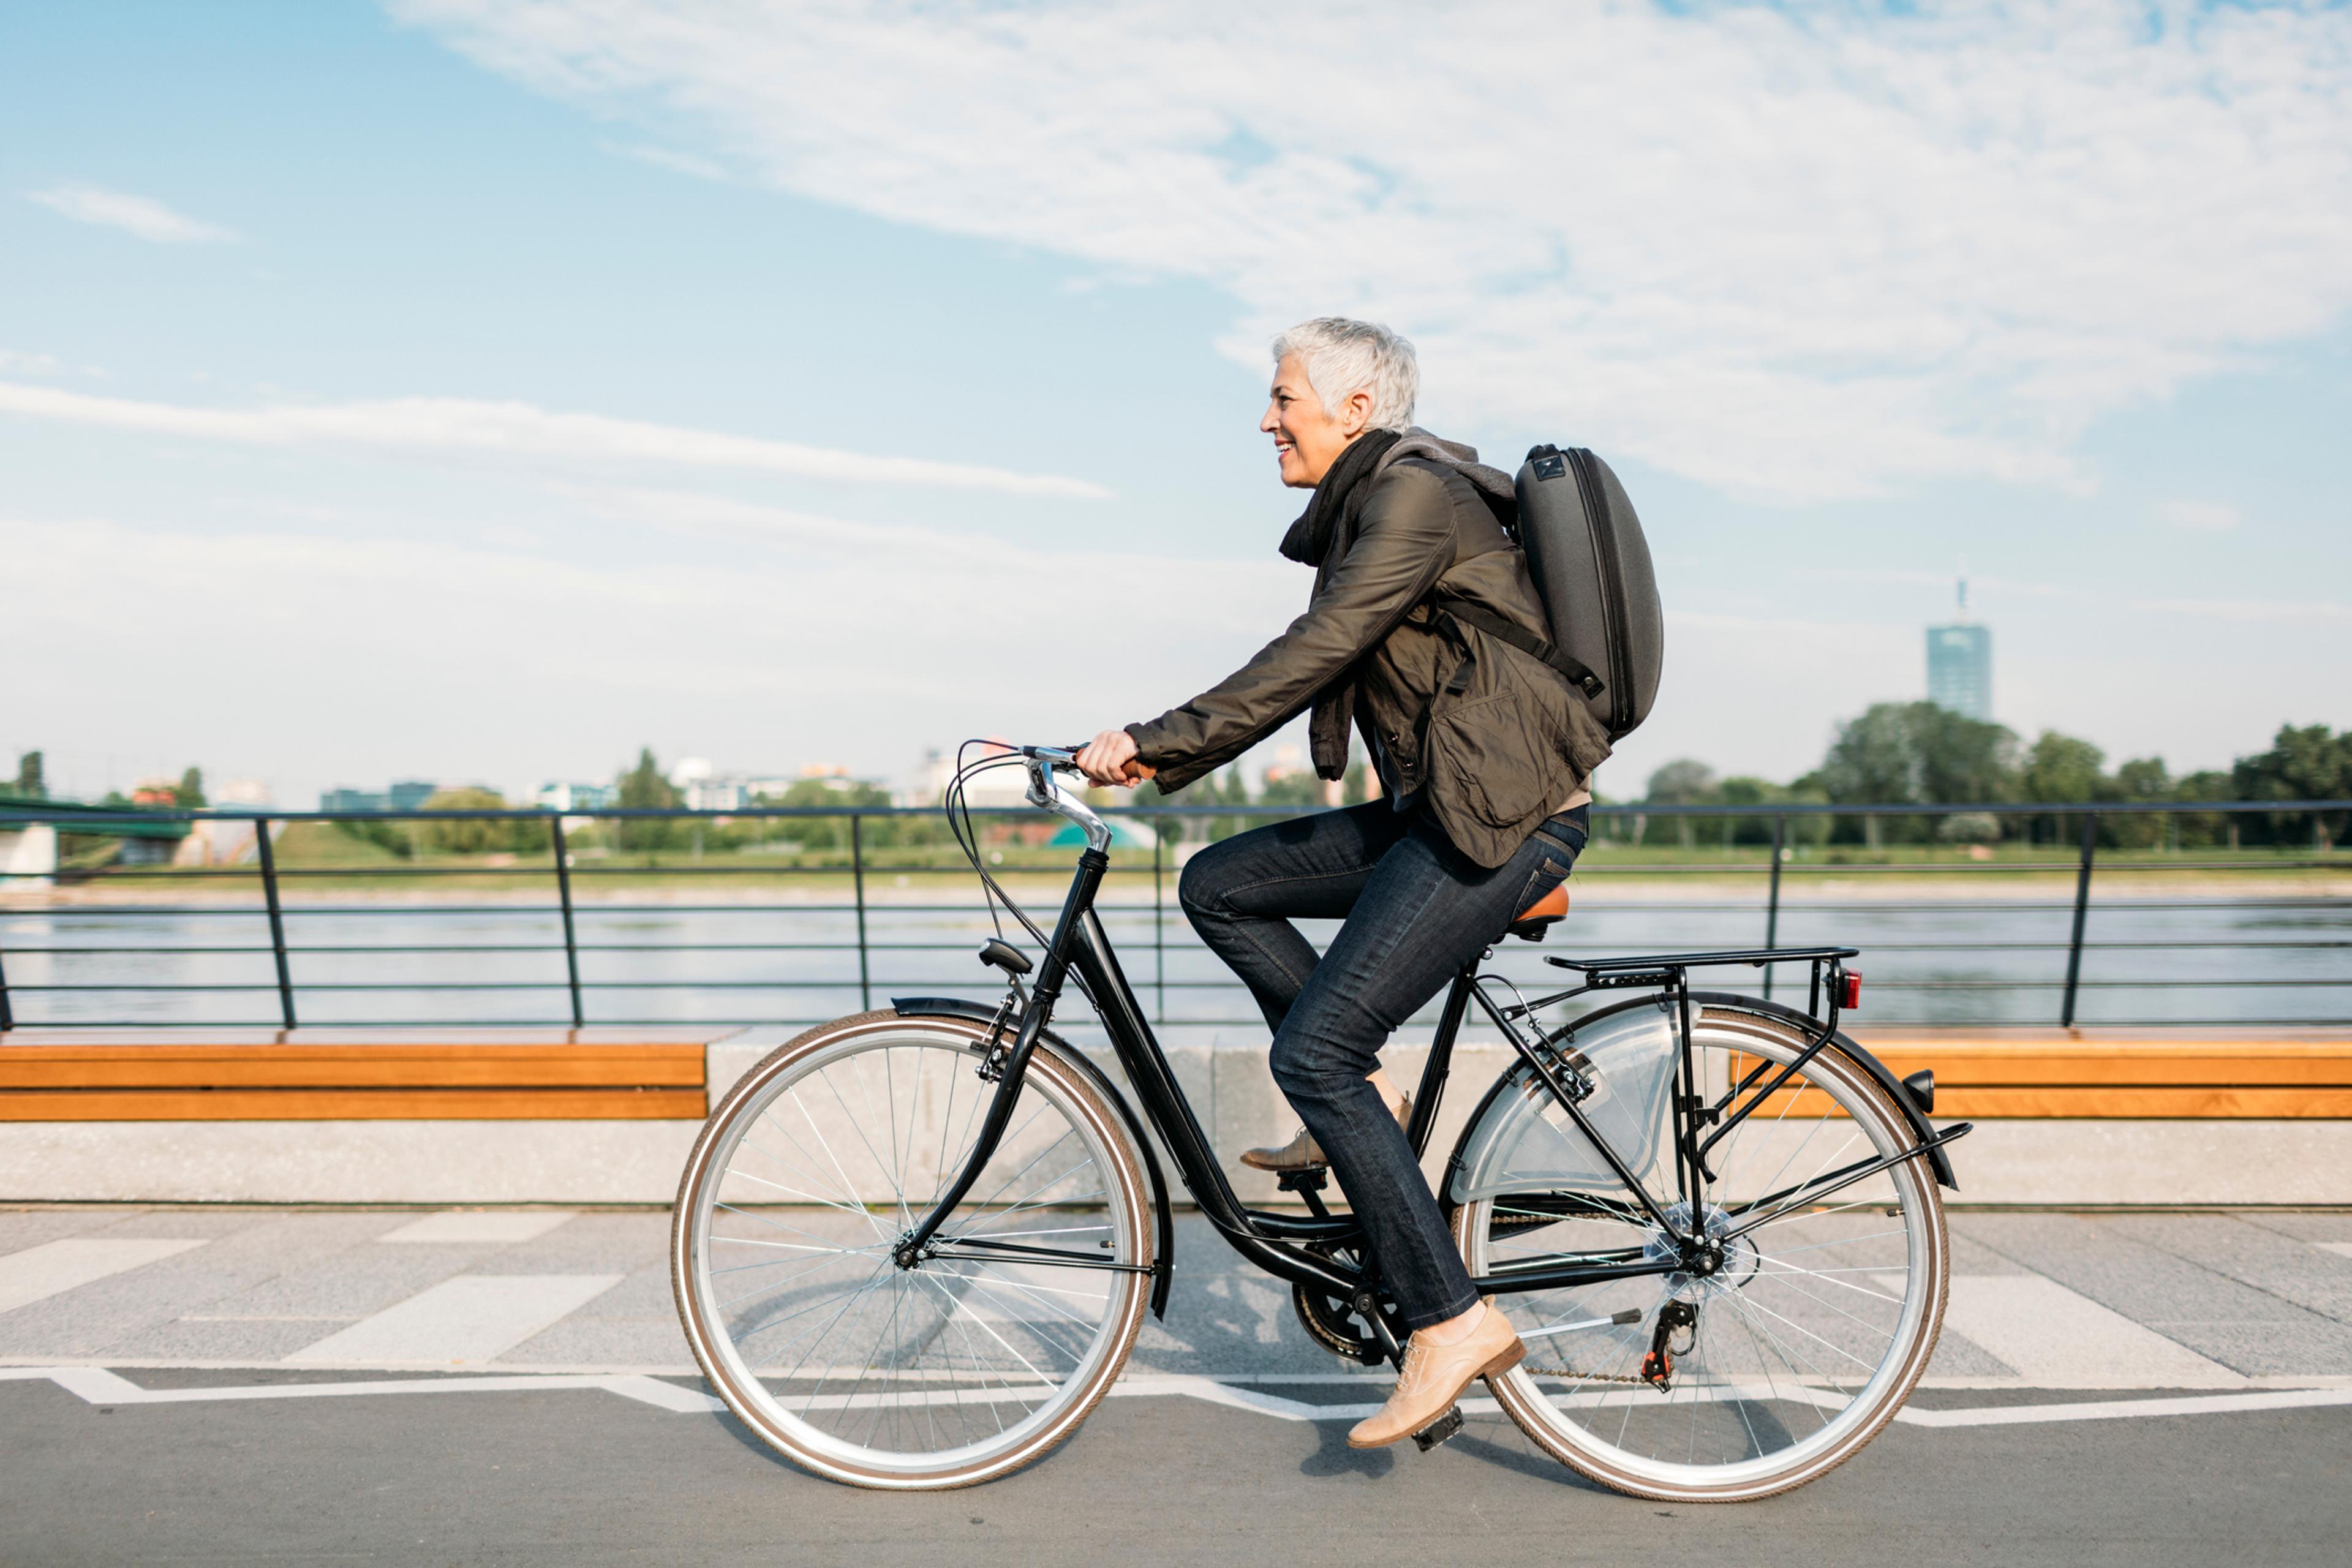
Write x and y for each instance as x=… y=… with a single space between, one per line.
x=1519 y=638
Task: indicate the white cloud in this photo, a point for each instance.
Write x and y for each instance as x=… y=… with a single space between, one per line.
x=148 y=220
x=15 y=363
x=2204 y=516
x=1794 y=252
x=452 y=425
x=676 y=163
x=2266 y=612
x=413 y=654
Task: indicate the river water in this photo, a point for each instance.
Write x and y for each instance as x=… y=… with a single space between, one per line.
x=2223 y=957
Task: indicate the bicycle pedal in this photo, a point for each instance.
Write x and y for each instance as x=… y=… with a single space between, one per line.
x=1439 y=1430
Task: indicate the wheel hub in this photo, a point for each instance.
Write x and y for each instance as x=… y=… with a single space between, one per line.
x=1709 y=1258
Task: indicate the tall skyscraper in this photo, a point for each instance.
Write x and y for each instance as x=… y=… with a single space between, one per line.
x=1960 y=664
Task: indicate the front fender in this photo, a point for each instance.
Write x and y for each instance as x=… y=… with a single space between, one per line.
x=1163 y=1258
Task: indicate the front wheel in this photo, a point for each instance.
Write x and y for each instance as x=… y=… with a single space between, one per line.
x=994 y=1345
x=1810 y=1322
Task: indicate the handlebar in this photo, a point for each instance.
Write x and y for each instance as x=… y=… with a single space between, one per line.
x=1066 y=758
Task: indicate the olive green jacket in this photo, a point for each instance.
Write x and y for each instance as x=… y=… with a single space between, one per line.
x=1490 y=738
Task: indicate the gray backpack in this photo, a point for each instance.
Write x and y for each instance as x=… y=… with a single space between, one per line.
x=1591 y=569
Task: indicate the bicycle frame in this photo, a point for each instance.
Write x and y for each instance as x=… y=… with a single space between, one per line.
x=1279 y=1243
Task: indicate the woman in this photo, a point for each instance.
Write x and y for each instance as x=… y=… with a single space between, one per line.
x=1483 y=754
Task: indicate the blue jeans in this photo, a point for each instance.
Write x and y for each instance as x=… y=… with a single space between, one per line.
x=1417 y=911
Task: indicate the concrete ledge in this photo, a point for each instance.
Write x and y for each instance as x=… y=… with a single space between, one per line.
x=2041 y=1161
x=343 y=1162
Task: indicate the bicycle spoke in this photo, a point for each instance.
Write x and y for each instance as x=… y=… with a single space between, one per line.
x=1775 y=1329
x=848 y=1354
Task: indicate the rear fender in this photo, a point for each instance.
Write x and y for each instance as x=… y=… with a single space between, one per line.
x=1937 y=1160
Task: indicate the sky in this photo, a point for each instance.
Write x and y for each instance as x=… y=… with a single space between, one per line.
x=479 y=390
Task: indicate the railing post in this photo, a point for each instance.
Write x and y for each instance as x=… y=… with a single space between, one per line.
x=571 y=942
x=2081 y=909
x=1158 y=932
x=7 y=1018
x=276 y=919
x=857 y=874
x=1772 y=900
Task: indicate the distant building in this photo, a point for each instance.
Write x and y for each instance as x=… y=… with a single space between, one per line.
x=1960 y=664
x=407 y=795
x=716 y=794
x=576 y=797
x=352 y=799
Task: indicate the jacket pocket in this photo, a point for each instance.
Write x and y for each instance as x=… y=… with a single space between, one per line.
x=1495 y=758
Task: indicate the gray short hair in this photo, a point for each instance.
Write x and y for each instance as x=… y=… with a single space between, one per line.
x=1343 y=357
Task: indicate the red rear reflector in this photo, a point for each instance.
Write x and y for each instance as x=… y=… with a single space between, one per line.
x=1853 y=998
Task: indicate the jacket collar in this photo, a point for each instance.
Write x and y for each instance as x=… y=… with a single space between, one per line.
x=1311 y=538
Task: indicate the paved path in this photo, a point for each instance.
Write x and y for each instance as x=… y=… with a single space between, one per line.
x=239 y=1386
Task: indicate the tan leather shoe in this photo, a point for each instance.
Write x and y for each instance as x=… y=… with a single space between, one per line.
x=1302 y=1153
x=1434 y=1376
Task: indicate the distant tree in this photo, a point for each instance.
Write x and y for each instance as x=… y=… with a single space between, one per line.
x=189 y=795
x=1873 y=760
x=2061 y=768
x=643 y=788
x=2200 y=829
x=833 y=832
x=1962 y=760
x=2306 y=763
x=1898 y=753
x=1683 y=781
x=471 y=835
x=2142 y=778
x=1225 y=786
x=1296 y=788
x=31 y=778
x=1747 y=791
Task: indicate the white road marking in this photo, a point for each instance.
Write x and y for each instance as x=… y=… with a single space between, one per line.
x=2057 y=1338
x=100 y=1385
x=462 y=1322
x=464 y=1225
x=54 y=1266
x=2129 y=1409
x=2341 y=1249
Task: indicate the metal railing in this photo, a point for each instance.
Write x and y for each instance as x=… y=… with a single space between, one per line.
x=2270 y=915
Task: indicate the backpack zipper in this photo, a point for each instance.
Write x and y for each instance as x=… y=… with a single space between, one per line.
x=1612 y=614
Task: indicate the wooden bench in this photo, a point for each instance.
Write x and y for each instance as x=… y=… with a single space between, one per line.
x=55 y=1075
x=2285 y=1073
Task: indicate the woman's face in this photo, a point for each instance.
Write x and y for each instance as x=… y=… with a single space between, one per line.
x=1307 y=439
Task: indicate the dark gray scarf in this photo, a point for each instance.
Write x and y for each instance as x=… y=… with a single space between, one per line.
x=1327 y=528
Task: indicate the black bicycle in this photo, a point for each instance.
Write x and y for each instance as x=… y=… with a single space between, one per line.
x=914 y=1246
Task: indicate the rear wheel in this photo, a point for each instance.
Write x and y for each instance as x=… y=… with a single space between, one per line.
x=997 y=1342
x=1801 y=1338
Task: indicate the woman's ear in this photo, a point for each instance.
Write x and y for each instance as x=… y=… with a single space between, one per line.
x=1355 y=412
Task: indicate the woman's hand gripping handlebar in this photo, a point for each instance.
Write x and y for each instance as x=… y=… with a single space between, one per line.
x=1108 y=760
